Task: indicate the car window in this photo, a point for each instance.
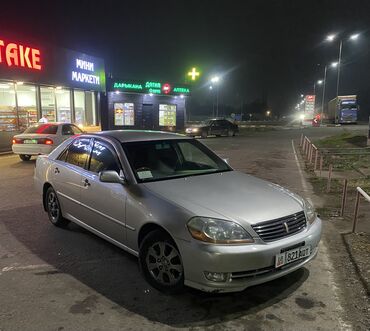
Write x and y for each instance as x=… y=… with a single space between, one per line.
x=191 y=153
x=166 y=159
x=78 y=152
x=103 y=158
x=69 y=130
x=76 y=129
x=42 y=128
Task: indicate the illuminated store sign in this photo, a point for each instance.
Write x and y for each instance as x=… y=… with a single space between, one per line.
x=19 y=55
x=151 y=87
x=84 y=73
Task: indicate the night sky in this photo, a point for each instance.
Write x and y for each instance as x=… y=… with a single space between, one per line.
x=270 y=50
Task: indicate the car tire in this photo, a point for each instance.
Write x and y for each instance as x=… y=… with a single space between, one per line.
x=53 y=209
x=25 y=157
x=161 y=263
x=204 y=134
x=230 y=133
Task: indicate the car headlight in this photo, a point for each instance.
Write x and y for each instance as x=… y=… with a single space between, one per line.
x=218 y=231
x=195 y=130
x=310 y=212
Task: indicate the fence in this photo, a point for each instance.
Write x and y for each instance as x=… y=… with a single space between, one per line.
x=329 y=158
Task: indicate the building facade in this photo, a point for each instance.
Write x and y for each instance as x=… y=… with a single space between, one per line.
x=148 y=105
x=39 y=80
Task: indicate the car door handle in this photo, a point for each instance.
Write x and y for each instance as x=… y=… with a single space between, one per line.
x=86 y=182
x=56 y=170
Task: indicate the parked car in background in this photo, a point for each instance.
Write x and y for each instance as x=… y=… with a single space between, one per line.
x=185 y=213
x=213 y=127
x=42 y=138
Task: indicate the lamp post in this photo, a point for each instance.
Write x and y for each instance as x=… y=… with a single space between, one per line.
x=216 y=80
x=331 y=38
x=319 y=82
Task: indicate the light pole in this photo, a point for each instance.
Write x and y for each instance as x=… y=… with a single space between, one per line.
x=331 y=38
x=213 y=102
x=333 y=65
x=319 y=82
x=216 y=80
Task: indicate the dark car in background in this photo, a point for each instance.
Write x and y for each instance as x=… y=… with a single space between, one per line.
x=213 y=127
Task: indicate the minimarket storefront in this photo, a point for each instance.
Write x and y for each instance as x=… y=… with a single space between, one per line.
x=148 y=105
x=42 y=80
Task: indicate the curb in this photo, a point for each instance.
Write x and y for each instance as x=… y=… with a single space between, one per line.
x=6 y=153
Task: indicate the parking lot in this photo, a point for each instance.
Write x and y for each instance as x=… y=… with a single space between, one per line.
x=69 y=279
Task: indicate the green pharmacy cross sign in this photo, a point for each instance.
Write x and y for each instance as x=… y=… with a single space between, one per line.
x=151 y=87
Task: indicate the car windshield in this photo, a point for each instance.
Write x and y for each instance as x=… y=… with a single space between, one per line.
x=166 y=159
x=42 y=128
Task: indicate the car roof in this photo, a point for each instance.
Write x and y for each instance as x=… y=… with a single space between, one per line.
x=139 y=135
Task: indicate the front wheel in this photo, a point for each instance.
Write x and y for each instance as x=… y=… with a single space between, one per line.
x=230 y=133
x=161 y=263
x=204 y=134
x=53 y=209
x=25 y=157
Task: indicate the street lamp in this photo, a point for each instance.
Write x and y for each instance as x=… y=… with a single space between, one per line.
x=319 y=82
x=216 y=80
x=331 y=38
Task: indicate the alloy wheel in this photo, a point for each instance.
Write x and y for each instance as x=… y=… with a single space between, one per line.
x=164 y=263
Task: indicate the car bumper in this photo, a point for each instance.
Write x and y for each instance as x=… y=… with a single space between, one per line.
x=32 y=149
x=246 y=265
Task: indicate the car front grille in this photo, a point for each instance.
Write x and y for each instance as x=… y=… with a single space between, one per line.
x=280 y=227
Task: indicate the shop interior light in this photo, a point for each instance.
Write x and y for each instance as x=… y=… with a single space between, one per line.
x=151 y=94
x=51 y=88
x=181 y=96
x=58 y=87
x=19 y=83
x=4 y=86
x=117 y=92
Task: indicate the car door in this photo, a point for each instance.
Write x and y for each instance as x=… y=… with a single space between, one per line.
x=66 y=173
x=103 y=203
x=215 y=128
x=225 y=126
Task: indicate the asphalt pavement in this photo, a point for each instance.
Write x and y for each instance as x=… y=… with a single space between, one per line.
x=69 y=279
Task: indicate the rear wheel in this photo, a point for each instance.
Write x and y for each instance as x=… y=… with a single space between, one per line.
x=53 y=209
x=230 y=133
x=25 y=157
x=161 y=263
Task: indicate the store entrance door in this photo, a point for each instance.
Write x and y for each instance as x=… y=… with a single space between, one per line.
x=147 y=123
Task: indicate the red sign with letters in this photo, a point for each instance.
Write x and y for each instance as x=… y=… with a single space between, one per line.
x=18 y=55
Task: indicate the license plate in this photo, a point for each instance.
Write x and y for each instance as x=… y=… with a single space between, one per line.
x=292 y=255
x=30 y=141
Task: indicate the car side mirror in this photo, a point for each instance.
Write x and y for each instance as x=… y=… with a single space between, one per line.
x=111 y=176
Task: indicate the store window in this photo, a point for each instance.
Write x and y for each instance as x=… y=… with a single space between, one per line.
x=27 y=106
x=79 y=101
x=124 y=114
x=90 y=109
x=48 y=103
x=167 y=115
x=8 y=114
x=63 y=98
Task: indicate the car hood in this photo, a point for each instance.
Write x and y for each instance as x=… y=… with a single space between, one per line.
x=229 y=195
x=196 y=126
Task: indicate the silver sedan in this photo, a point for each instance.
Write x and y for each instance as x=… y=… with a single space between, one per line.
x=185 y=213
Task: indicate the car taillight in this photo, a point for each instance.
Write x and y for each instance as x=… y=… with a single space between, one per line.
x=17 y=141
x=45 y=141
